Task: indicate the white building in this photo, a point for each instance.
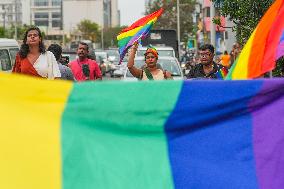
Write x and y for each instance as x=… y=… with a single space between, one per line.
x=10 y=12
x=61 y=17
x=115 y=14
x=224 y=36
x=103 y=12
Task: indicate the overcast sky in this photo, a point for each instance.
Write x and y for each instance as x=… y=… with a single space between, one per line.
x=131 y=10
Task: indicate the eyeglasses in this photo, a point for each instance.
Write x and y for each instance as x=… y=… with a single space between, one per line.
x=205 y=54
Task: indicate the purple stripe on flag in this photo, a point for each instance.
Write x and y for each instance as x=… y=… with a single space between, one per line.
x=280 y=48
x=268 y=134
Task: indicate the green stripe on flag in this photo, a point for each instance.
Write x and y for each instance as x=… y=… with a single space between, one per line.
x=231 y=70
x=124 y=41
x=113 y=135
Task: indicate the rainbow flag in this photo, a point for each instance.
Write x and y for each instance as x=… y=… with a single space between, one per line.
x=222 y=73
x=138 y=30
x=154 y=135
x=264 y=46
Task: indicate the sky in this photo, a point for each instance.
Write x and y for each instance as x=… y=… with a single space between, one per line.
x=131 y=10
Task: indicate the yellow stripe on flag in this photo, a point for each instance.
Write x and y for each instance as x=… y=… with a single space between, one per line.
x=132 y=32
x=30 y=149
x=241 y=69
x=129 y=33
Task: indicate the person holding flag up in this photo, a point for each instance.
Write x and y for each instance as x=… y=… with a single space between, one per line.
x=150 y=71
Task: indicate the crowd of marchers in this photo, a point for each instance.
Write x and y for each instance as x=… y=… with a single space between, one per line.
x=35 y=60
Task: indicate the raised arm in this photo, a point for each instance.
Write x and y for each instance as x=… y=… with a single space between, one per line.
x=133 y=70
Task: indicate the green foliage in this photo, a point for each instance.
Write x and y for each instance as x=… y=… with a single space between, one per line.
x=10 y=32
x=279 y=70
x=89 y=29
x=110 y=35
x=168 y=19
x=244 y=13
x=2 y=32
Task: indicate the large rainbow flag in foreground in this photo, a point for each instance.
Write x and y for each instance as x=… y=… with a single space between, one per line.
x=264 y=46
x=159 y=135
x=138 y=30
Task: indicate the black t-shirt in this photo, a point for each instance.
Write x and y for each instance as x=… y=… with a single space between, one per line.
x=198 y=72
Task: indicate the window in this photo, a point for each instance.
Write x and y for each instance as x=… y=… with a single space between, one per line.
x=41 y=23
x=207 y=12
x=13 y=53
x=56 y=2
x=41 y=15
x=40 y=2
x=41 y=19
x=5 y=60
x=56 y=15
x=56 y=23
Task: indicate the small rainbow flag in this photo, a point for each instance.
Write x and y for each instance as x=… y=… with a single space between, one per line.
x=222 y=73
x=264 y=46
x=138 y=30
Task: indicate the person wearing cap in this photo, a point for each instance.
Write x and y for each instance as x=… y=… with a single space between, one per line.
x=150 y=71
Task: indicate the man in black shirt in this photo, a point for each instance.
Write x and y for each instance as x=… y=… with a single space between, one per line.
x=207 y=68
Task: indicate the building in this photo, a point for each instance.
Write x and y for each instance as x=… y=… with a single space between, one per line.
x=115 y=14
x=46 y=14
x=10 y=13
x=57 y=18
x=224 y=36
x=103 y=12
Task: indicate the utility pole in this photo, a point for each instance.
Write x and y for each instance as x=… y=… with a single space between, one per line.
x=102 y=32
x=102 y=36
x=4 y=21
x=16 y=18
x=178 y=27
x=62 y=24
x=212 y=25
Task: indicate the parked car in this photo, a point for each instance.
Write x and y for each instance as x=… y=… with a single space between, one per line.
x=168 y=63
x=163 y=51
x=8 y=50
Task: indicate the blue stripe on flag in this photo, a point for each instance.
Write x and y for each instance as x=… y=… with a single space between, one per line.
x=210 y=136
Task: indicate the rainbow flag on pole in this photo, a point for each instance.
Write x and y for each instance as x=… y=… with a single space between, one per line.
x=138 y=30
x=154 y=135
x=264 y=46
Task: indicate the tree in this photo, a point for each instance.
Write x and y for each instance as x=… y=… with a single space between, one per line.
x=245 y=14
x=2 y=32
x=110 y=35
x=89 y=29
x=168 y=19
x=10 y=31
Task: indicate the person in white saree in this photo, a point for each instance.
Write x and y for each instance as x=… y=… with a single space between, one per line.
x=33 y=59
